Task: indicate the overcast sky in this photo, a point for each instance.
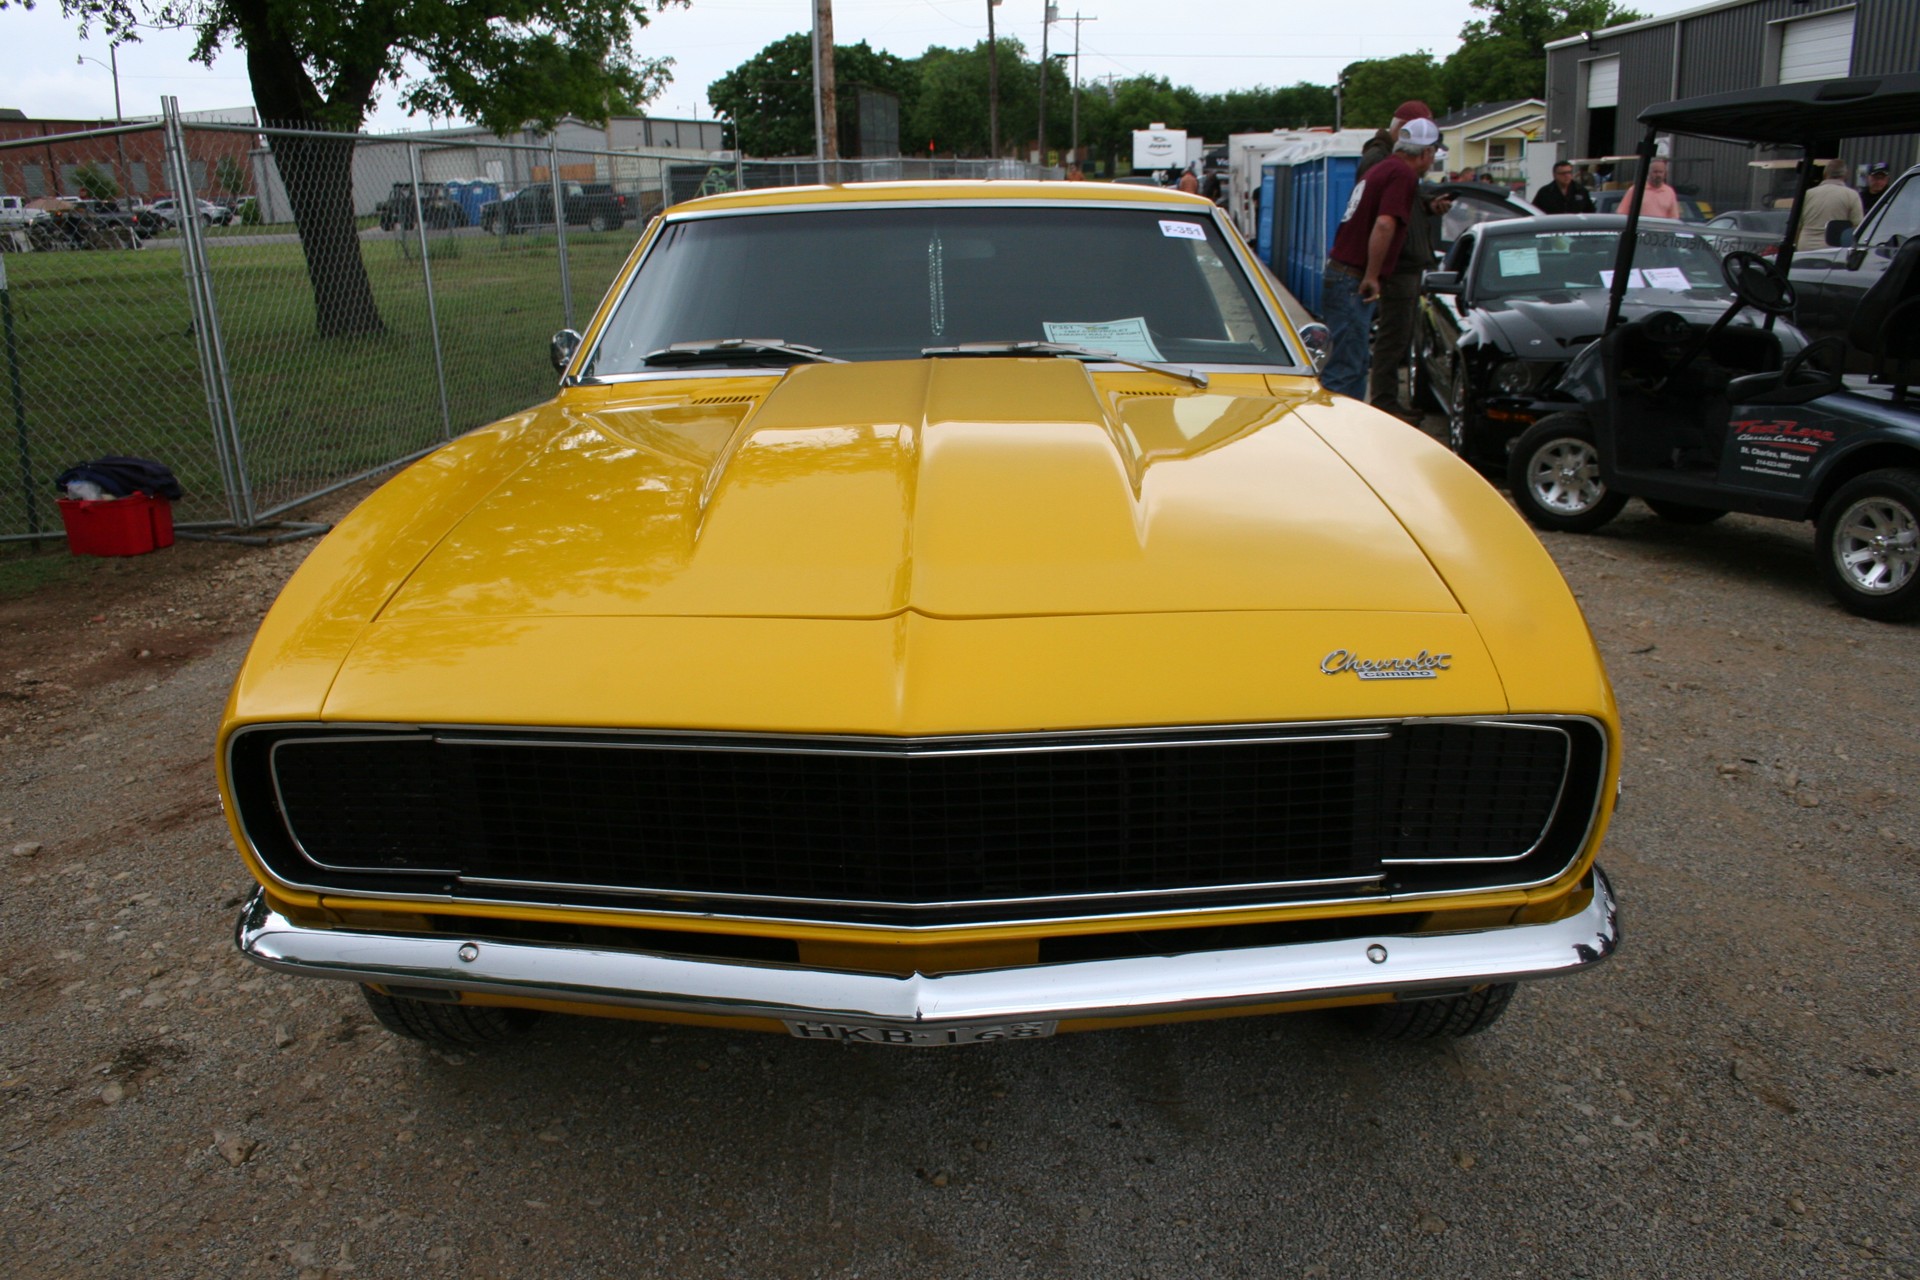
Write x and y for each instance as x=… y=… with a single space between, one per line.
x=1209 y=44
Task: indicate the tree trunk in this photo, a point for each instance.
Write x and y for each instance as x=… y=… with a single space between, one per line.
x=318 y=173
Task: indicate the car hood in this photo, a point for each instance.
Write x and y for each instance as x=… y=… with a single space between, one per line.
x=1558 y=324
x=954 y=488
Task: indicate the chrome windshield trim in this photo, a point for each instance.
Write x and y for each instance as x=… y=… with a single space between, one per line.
x=1237 y=249
x=1127 y=987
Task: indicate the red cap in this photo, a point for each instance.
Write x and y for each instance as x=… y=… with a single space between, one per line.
x=1414 y=110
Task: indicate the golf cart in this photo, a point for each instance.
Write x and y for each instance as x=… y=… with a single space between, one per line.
x=1699 y=419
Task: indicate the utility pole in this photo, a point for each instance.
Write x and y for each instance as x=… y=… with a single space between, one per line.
x=826 y=139
x=993 y=86
x=1076 y=20
x=1046 y=26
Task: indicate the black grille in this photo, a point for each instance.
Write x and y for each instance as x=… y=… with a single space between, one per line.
x=903 y=827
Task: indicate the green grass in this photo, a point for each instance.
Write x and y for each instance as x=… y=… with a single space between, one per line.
x=108 y=361
x=25 y=570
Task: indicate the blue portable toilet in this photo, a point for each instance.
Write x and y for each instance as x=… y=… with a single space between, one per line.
x=1304 y=189
x=471 y=193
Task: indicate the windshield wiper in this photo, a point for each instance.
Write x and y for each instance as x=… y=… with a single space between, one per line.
x=1194 y=376
x=705 y=348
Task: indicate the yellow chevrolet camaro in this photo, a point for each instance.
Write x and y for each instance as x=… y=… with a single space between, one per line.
x=928 y=614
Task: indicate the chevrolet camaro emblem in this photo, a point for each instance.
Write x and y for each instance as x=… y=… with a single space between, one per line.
x=1422 y=666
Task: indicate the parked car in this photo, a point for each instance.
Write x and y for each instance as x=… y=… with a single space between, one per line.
x=1518 y=299
x=1011 y=638
x=83 y=224
x=16 y=213
x=1701 y=419
x=1473 y=204
x=596 y=206
x=169 y=209
x=1832 y=281
x=1766 y=226
x=1691 y=210
x=438 y=208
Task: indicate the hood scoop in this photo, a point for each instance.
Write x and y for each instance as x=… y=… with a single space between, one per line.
x=963 y=488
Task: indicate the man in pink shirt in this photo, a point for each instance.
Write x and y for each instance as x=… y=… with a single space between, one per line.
x=1662 y=201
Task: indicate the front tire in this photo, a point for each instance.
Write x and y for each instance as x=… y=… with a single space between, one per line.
x=1554 y=473
x=1446 y=1018
x=448 y=1026
x=1870 y=544
x=597 y=223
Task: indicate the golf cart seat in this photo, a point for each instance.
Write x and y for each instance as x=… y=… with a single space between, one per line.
x=1813 y=373
x=1887 y=324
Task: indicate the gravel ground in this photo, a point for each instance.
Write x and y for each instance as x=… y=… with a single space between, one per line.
x=1734 y=1095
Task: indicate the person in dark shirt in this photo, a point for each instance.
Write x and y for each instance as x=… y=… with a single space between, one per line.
x=1878 y=178
x=1563 y=194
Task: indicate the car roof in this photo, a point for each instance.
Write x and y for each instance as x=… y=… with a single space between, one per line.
x=855 y=193
x=1812 y=111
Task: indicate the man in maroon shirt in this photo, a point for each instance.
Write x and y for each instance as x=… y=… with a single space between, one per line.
x=1365 y=247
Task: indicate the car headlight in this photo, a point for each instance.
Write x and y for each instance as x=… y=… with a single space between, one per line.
x=1517 y=377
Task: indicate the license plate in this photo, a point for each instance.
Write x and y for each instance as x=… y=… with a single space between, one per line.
x=917 y=1037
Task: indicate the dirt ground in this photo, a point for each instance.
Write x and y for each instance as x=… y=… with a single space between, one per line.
x=1736 y=1094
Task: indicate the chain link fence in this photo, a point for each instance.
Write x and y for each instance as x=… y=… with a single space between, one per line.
x=276 y=313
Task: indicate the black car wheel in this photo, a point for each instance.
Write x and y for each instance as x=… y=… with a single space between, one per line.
x=1464 y=435
x=1420 y=390
x=1870 y=544
x=1683 y=512
x=446 y=1024
x=1447 y=1017
x=1554 y=473
x=597 y=222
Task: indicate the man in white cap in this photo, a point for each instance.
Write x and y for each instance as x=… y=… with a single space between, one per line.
x=1365 y=247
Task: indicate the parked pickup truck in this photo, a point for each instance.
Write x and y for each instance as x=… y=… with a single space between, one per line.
x=15 y=215
x=594 y=205
x=437 y=208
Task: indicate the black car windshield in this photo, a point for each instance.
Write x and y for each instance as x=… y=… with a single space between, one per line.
x=883 y=284
x=1569 y=261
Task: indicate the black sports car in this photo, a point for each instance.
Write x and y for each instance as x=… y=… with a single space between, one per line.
x=1517 y=298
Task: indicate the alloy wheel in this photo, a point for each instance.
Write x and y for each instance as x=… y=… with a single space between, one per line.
x=1564 y=476
x=1876 y=545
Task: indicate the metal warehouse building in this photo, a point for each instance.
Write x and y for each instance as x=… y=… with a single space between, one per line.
x=1598 y=83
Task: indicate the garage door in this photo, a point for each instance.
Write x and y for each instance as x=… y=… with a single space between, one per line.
x=1819 y=48
x=1603 y=82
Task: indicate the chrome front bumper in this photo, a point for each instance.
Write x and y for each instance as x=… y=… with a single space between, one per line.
x=1133 y=987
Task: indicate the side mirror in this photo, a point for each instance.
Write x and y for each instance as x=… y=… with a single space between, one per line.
x=1318 y=340
x=1441 y=282
x=561 y=349
x=1839 y=233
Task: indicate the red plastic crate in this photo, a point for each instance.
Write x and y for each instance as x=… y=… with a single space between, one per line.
x=129 y=526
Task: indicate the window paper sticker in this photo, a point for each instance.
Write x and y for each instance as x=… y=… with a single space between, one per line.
x=1520 y=262
x=1635 y=279
x=1668 y=278
x=1183 y=230
x=1127 y=338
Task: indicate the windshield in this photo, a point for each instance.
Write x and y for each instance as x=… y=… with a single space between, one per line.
x=1570 y=261
x=882 y=284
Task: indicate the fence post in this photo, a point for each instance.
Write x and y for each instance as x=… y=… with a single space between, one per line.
x=560 y=227
x=19 y=404
x=206 y=319
x=426 y=272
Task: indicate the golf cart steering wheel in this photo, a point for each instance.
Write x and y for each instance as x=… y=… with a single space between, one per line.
x=1759 y=282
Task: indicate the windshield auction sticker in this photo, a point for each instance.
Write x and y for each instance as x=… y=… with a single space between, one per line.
x=1183 y=230
x=1771 y=453
x=1127 y=339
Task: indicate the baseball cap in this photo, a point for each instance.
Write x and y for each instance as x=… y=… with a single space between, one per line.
x=1878 y=166
x=1420 y=131
x=1413 y=109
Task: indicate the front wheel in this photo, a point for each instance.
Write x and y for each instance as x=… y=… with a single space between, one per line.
x=448 y=1025
x=1446 y=1018
x=1554 y=473
x=1870 y=544
x=597 y=223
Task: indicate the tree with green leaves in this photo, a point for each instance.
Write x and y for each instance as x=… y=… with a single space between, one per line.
x=1504 y=55
x=769 y=97
x=319 y=67
x=95 y=182
x=1373 y=88
x=229 y=176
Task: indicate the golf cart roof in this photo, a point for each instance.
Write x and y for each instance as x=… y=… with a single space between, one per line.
x=1797 y=114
